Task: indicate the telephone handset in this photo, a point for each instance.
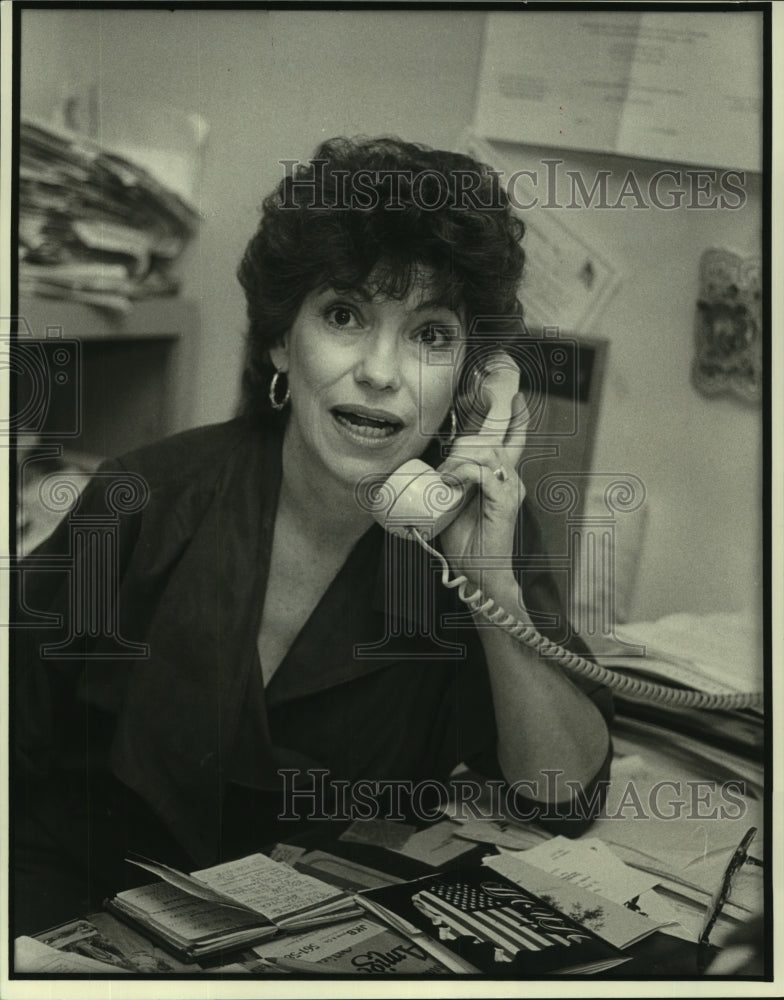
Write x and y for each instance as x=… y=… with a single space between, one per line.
x=416 y=497
x=415 y=502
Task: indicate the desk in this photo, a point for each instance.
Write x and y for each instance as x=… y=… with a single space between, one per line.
x=698 y=841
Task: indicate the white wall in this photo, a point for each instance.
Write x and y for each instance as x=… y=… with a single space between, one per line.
x=699 y=458
x=272 y=85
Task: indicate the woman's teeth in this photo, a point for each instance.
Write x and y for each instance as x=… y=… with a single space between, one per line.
x=367 y=427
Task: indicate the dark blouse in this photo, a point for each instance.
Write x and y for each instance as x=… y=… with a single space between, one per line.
x=174 y=746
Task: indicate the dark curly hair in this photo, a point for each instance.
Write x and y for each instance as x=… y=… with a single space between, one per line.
x=372 y=214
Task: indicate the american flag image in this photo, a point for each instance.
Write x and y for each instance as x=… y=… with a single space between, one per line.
x=459 y=909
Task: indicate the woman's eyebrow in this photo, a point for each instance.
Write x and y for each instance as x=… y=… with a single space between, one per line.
x=356 y=293
x=436 y=303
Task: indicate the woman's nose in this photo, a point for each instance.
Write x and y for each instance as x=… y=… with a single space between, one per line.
x=379 y=363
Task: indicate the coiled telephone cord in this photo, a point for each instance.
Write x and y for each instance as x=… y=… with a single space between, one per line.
x=633 y=688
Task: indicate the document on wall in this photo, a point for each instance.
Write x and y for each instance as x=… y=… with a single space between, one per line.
x=567 y=280
x=679 y=86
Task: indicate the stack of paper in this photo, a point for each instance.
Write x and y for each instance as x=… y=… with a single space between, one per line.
x=720 y=653
x=93 y=226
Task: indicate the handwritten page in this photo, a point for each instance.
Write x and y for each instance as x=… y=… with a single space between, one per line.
x=184 y=915
x=269 y=887
x=187 y=883
x=592 y=865
x=617 y=924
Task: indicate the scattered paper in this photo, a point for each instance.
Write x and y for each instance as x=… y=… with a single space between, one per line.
x=615 y=923
x=719 y=652
x=346 y=874
x=378 y=832
x=500 y=832
x=313 y=946
x=361 y=947
x=592 y=865
x=287 y=853
x=655 y=907
x=435 y=845
x=34 y=956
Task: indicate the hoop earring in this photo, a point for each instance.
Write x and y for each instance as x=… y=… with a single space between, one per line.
x=453 y=434
x=278 y=405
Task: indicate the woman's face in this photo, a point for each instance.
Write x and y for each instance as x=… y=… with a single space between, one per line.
x=371 y=378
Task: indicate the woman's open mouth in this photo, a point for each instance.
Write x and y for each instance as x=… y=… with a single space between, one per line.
x=367 y=426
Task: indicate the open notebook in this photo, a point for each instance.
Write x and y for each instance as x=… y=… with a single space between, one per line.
x=228 y=906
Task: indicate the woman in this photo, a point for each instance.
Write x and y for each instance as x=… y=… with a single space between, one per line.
x=269 y=656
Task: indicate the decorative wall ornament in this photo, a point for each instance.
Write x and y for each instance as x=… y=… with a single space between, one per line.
x=728 y=328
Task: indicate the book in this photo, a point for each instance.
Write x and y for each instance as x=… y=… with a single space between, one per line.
x=478 y=921
x=228 y=906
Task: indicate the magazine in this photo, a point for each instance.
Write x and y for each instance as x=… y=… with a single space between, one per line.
x=475 y=920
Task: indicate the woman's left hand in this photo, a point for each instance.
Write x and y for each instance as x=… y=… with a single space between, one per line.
x=481 y=538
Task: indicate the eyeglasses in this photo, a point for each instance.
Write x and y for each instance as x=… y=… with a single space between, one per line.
x=720 y=897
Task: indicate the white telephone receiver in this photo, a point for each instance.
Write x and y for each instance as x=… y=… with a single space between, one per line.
x=416 y=496
x=417 y=502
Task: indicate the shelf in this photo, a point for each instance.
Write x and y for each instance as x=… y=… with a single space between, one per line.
x=157 y=317
x=104 y=383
